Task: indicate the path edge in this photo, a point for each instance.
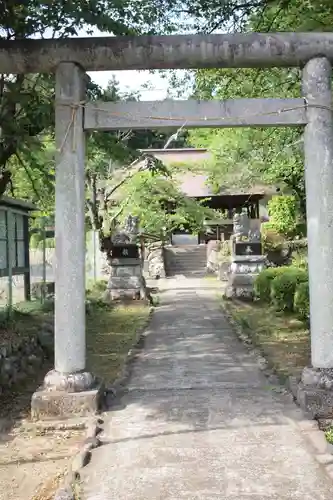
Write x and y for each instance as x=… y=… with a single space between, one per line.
x=308 y=427
x=82 y=458
x=67 y=490
x=136 y=348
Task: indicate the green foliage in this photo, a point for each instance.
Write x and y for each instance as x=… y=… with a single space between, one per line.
x=283 y=214
x=271 y=238
x=240 y=156
x=263 y=282
x=94 y=294
x=302 y=300
x=278 y=285
x=252 y=157
x=329 y=434
x=161 y=206
x=300 y=259
x=259 y=156
x=33 y=169
x=284 y=285
x=27 y=101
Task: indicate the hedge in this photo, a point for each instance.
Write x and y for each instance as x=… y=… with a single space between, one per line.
x=302 y=300
x=262 y=284
x=283 y=287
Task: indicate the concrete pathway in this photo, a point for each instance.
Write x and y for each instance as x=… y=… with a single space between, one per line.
x=199 y=421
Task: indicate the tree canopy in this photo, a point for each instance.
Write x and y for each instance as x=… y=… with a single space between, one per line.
x=161 y=206
x=266 y=155
x=26 y=101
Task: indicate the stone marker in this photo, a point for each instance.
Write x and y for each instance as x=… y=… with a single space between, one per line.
x=126 y=267
x=247 y=260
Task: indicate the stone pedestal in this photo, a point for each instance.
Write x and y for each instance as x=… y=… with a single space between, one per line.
x=126 y=280
x=315 y=392
x=64 y=395
x=243 y=271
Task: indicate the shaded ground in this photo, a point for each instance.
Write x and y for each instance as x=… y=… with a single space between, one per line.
x=198 y=419
x=33 y=460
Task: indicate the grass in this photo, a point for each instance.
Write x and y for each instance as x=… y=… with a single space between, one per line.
x=111 y=331
x=283 y=340
x=96 y=289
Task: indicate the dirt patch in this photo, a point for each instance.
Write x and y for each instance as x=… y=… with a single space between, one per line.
x=32 y=464
x=282 y=338
x=29 y=456
x=33 y=460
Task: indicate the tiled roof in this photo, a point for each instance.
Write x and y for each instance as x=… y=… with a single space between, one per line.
x=196 y=185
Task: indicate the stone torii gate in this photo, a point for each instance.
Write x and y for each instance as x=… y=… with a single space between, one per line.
x=69 y=387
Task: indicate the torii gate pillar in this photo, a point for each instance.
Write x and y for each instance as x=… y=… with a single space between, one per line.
x=69 y=388
x=315 y=390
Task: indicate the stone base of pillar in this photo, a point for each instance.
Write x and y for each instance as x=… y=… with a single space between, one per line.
x=314 y=392
x=67 y=395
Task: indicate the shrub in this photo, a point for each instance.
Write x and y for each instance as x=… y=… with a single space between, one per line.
x=300 y=260
x=262 y=284
x=271 y=238
x=283 y=213
x=284 y=285
x=302 y=300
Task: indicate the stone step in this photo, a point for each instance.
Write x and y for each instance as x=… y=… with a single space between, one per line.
x=186 y=259
x=180 y=254
x=189 y=261
x=185 y=269
x=186 y=263
x=177 y=268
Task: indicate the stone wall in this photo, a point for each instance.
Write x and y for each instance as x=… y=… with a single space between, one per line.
x=223 y=268
x=20 y=359
x=218 y=259
x=155 y=260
